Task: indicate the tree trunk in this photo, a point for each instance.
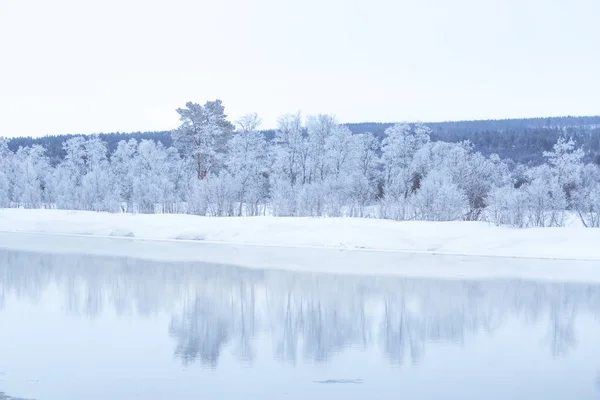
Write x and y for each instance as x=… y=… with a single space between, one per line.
x=201 y=172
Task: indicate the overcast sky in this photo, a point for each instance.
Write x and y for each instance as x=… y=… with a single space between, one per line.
x=86 y=66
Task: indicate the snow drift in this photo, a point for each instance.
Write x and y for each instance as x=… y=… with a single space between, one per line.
x=460 y=237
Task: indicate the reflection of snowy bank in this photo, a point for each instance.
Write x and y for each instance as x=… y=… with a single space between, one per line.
x=312 y=259
x=218 y=308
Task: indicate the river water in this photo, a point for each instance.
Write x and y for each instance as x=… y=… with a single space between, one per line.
x=100 y=327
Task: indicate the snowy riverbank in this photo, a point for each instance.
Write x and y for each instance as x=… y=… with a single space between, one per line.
x=464 y=238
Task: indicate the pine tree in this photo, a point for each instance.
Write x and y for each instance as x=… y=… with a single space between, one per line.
x=203 y=135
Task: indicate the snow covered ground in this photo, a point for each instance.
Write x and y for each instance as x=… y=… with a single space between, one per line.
x=450 y=238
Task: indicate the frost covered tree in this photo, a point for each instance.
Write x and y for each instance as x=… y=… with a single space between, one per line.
x=29 y=177
x=124 y=173
x=221 y=193
x=148 y=177
x=587 y=204
x=68 y=175
x=290 y=150
x=367 y=147
x=363 y=178
x=440 y=199
x=547 y=191
x=319 y=129
x=289 y=160
x=6 y=161
x=332 y=159
x=477 y=179
x=154 y=167
x=96 y=191
x=341 y=163
x=586 y=198
x=340 y=152
x=398 y=149
x=507 y=205
x=321 y=170
x=248 y=161
x=400 y=177
x=203 y=135
x=566 y=162
x=83 y=180
x=539 y=202
x=473 y=173
x=546 y=199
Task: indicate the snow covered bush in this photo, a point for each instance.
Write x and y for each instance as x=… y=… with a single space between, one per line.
x=439 y=199
x=565 y=161
x=546 y=200
x=538 y=203
x=508 y=206
x=396 y=201
x=473 y=173
x=5 y=167
x=310 y=200
x=221 y=194
x=587 y=204
x=197 y=199
x=361 y=193
x=4 y=187
x=586 y=198
x=336 y=196
x=283 y=199
x=398 y=209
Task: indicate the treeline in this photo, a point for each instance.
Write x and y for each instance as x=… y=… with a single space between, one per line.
x=55 y=151
x=308 y=167
x=521 y=140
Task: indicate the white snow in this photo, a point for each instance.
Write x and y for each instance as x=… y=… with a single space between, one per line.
x=450 y=238
x=314 y=260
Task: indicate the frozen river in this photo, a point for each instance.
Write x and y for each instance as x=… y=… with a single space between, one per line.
x=76 y=326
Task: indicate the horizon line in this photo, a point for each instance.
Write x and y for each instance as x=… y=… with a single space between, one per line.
x=341 y=123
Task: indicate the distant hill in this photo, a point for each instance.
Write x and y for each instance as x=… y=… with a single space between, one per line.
x=522 y=140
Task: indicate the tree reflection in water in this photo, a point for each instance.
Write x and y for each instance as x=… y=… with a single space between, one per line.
x=305 y=316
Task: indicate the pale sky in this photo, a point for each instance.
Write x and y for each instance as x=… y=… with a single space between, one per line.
x=89 y=66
